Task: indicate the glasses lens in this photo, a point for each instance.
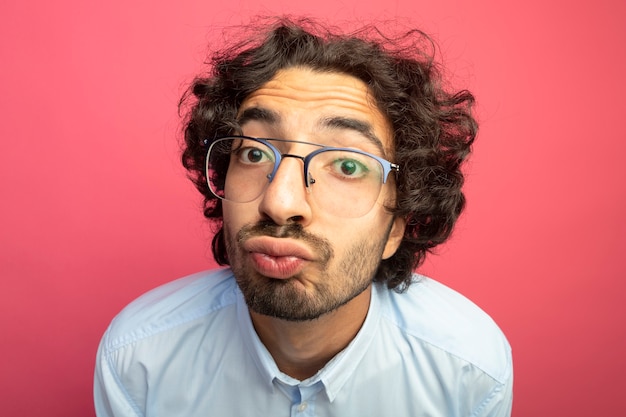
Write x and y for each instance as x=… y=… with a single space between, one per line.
x=237 y=169
x=346 y=184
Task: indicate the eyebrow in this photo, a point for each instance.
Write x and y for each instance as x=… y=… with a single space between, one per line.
x=271 y=117
x=364 y=128
x=258 y=114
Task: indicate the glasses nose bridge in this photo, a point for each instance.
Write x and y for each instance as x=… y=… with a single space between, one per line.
x=305 y=161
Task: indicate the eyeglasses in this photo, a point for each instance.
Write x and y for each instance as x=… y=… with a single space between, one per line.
x=344 y=182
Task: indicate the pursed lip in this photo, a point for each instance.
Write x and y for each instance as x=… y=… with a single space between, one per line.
x=278 y=247
x=279 y=258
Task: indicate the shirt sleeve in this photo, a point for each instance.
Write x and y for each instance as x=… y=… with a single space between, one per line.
x=499 y=402
x=110 y=397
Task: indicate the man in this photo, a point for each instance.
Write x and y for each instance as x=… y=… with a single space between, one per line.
x=330 y=165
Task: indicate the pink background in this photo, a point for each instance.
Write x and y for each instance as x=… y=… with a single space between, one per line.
x=96 y=209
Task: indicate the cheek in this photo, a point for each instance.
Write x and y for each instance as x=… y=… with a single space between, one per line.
x=236 y=215
x=231 y=223
x=347 y=232
x=227 y=211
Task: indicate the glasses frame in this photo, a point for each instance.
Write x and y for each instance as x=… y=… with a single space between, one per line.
x=386 y=165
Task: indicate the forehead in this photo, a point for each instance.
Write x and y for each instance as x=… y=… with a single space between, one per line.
x=300 y=101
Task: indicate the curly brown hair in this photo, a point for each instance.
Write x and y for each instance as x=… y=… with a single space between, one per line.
x=433 y=128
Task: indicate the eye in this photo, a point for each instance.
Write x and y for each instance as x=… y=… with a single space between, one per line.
x=349 y=168
x=251 y=155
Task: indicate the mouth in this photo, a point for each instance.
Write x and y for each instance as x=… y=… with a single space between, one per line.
x=277 y=258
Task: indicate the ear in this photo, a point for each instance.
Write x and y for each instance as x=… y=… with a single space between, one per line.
x=396 y=233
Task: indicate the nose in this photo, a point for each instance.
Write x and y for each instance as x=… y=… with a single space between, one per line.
x=286 y=199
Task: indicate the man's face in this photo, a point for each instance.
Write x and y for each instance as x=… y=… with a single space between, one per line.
x=291 y=258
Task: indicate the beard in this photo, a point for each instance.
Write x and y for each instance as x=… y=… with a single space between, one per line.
x=340 y=279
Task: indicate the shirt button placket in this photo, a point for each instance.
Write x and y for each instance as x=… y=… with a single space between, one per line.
x=304 y=403
x=303 y=409
x=303 y=406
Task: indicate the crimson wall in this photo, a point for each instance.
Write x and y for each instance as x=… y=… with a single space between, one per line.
x=96 y=210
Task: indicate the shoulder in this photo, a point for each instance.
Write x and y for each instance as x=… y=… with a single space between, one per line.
x=170 y=305
x=440 y=318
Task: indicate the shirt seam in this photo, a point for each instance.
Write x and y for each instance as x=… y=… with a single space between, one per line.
x=500 y=379
x=145 y=332
x=491 y=396
x=110 y=363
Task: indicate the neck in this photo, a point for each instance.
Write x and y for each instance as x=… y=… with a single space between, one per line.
x=300 y=349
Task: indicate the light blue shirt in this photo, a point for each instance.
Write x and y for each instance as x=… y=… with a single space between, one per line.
x=188 y=348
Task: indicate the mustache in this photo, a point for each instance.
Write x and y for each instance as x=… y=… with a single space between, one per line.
x=289 y=230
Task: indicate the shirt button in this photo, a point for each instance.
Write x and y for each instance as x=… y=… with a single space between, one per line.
x=302 y=407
